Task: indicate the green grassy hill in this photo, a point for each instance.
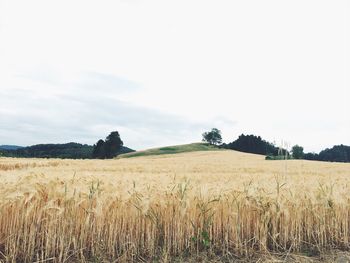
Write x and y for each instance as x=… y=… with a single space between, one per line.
x=193 y=147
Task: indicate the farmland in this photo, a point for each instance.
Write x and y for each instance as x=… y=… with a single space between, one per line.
x=221 y=205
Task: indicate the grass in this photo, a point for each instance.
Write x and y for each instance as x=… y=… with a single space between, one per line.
x=193 y=147
x=222 y=206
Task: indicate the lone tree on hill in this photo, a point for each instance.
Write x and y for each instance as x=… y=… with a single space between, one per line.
x=212 y=137
x=297 y=152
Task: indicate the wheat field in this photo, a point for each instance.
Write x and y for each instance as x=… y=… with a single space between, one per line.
x=223 y=204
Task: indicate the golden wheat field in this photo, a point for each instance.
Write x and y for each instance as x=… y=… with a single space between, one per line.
x=223 y=204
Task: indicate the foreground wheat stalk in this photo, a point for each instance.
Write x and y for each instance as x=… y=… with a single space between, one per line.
x=54 y=220
x=48 y=224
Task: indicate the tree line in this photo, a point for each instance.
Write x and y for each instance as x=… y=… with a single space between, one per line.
x=110 y=148
x=338 y=153
x=257 y=145
x=113 y=145
x=70 y=150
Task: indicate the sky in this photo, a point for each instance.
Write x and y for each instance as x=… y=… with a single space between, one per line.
x=163 y=72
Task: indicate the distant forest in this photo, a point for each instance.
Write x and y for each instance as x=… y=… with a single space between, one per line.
x=255 y=144
x=112 y=148
x=68 y=150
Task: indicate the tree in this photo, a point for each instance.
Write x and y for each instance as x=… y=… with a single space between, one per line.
x=112 y=144
x=338 y=153
x=109 y=148
x=297 y=152
x=311 y=156
x=253 y=144
x=212 y=137
x=99 y=150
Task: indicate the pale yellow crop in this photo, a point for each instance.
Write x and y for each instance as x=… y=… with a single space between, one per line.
x=224 y=202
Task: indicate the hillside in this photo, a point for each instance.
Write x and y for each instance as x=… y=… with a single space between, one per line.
x=193 y=147
x=10 y=147
x=65 y=151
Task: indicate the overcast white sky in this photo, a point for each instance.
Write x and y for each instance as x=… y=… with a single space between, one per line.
x=162 y=72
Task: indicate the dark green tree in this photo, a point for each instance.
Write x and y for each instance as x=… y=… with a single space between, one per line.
x=99 y=150
x=297 y=152
x=338 y=153
x=212 y=137
x=112 y=144
x=253 y=144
